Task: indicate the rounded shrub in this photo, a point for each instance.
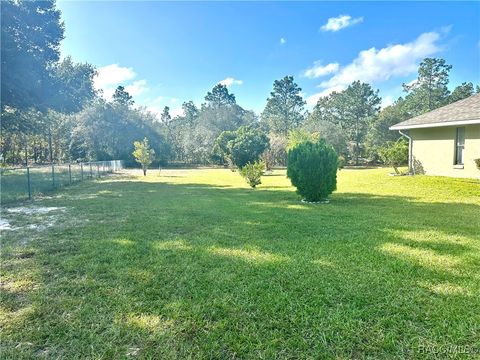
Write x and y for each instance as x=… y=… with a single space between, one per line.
x=312 y=168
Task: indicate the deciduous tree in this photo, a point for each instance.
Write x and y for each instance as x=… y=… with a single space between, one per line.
x=74 y=85
x=395 y=154
x=31 y=32
x=143 y=154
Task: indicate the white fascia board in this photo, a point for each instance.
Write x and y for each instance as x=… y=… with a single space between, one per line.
x=440 y=124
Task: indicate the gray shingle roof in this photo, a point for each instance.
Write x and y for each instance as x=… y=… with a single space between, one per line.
x=464 y=111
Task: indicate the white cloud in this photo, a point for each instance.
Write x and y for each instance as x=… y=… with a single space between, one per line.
x=229 y=81
x=317 y=70
x=340 y=22
x=283 y=40
x=113 y=74
x=394 y=60
x=108 y=92
x=158 y=99
x=110 y=76
x=153 y=103
x=387 y=101
x=137 y=87
x=375 y=66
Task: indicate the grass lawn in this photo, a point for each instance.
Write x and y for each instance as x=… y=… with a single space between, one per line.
x=194 y=264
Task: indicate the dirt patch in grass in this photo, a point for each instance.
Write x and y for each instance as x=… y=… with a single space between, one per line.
x=5 y=225
x=34 y=210
x=27 y=223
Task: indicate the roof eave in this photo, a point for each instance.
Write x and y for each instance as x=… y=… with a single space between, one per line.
x=431 y=125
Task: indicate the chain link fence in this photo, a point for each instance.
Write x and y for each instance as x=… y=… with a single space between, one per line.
x=27 y=182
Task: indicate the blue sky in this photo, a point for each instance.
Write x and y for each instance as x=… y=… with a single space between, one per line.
x=166 y=53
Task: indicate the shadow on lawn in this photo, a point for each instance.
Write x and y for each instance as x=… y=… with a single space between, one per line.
x=226 y=272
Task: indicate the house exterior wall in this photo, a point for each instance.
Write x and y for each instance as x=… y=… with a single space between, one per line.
x=433 y=151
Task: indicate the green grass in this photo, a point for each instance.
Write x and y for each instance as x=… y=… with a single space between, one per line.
x=194 y=264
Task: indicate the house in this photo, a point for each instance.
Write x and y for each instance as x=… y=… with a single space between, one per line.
x=445 y=141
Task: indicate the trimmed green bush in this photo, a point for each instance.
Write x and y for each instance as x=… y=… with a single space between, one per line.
x=312 y=168
x=252 y=172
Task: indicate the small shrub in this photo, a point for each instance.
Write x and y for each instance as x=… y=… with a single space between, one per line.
x=312 y=168
x=341 y=162
x=395 y=154
x=252 y=172
x=477 y=161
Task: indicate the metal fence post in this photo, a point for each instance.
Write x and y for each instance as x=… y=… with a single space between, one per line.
x=53 y=176
x=91 y=174
x=28 y=182
x=98 y=169
x=70 y=173
x=81 y=170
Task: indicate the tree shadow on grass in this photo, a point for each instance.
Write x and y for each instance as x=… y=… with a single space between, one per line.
x=191 y=270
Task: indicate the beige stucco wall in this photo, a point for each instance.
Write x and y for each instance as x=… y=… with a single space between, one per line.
x=434 y=150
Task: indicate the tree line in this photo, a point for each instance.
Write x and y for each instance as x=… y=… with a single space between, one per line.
x=51 y=111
